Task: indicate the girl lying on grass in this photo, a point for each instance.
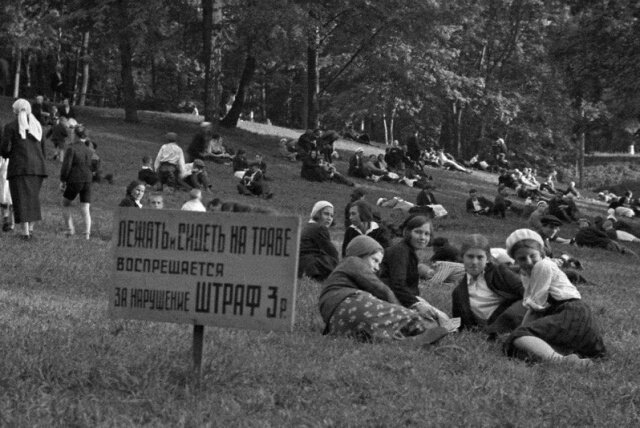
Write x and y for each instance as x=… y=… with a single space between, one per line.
x=489 y=296
x=354 y=302
x=558 y=326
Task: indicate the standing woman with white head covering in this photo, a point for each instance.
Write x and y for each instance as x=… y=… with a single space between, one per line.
x=318 y=255
x=22 y=145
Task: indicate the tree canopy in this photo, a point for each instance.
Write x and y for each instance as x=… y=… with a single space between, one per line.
x=537 y=73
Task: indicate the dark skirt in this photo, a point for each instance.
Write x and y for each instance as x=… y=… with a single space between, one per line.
x=567 y=326
x=25 y=194
x=316 y=266
x=368 y=318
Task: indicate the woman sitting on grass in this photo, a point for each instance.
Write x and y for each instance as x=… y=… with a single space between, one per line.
x=558 y=326
x=135 y=192
x=490 y=295
x=362 y=223
x=318 y=255
x=399 y=268
x=354 y=302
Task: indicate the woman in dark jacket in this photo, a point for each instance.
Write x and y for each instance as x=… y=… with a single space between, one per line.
x=318 y=255
x=489 y=296
x=399 y=268
x=22 y=145
x=354 y=302
x=135 y=192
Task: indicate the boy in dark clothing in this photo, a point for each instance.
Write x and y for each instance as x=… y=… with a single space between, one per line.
x=500 y=203
x=253 y=184
x=58 y=135
x=147 y=174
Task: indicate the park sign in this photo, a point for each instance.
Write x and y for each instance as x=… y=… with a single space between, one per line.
x=219 y=269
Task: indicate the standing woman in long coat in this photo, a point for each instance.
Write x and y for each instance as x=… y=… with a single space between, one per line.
x=22 y=145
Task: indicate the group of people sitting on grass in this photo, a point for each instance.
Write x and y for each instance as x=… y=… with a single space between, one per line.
x=172 y=170
x=372 y=293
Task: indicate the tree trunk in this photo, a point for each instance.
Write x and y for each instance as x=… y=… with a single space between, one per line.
x=458 y=127
x=386 y=129
x=313 y=79
x=85 y=69
x=16 y=81
x=211 y=56
x=392 y=120
x=305 y=100
x=27 y=75
x=126 y=70
x=207 y=47
x=76 y=74
x=231 y=119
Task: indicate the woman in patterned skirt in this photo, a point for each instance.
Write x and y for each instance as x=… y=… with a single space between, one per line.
x=355 y=302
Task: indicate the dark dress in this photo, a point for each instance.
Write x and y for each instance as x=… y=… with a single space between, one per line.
x=399 y=270
x=25 y=172
x=318 y=256
x=128 y=201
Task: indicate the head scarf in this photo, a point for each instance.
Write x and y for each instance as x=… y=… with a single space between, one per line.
x=362 y=246
x=319 y=206
x=27 y=122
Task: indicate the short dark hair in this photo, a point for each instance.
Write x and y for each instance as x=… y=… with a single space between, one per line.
x=146 y=159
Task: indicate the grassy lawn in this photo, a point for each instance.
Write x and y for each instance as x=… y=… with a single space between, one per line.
x=66 y=363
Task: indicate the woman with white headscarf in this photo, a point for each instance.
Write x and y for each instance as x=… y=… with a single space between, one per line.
x=22 y=145
x=318 y=255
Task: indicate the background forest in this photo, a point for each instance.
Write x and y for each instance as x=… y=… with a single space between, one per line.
x=548 y=76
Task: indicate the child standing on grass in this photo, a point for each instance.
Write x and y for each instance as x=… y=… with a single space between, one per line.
x=558 y=326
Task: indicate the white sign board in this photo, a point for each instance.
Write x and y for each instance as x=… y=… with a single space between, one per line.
x=220 y=269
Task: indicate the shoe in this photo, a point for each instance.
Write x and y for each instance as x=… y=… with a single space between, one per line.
x=431 y=336
x=26 y=237
x=7 y=226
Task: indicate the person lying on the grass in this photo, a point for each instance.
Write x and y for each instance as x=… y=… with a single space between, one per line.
x=447 y=161
x=624 y=225
x=362 y=223
x=590 y=236
x=134 y=193
x=399 y=268
x=489 y=296
x=621 y=205
x=231 y=206
x=549 y=229
x=318 y=255
x=354 y=302
x=558 y=325
x=616 y=235
x=478 y=205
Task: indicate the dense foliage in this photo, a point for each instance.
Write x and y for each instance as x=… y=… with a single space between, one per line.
x=539 y=73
